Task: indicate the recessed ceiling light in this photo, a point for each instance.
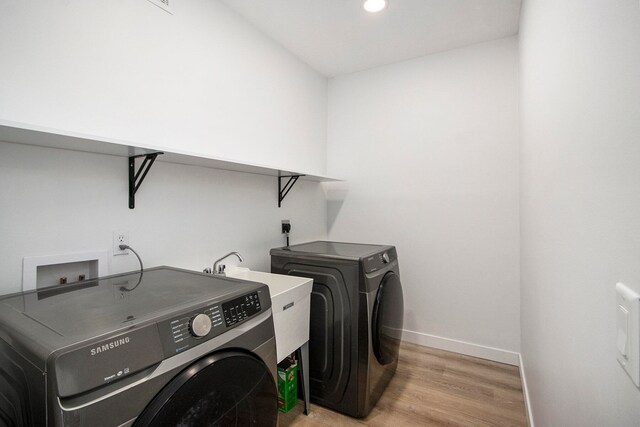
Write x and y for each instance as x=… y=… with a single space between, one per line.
x=374 y=6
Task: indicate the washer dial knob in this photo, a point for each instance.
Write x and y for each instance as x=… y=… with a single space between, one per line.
x=385 y=258
x=200 y=325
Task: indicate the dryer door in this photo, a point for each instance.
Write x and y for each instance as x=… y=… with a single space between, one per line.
x=387 y=321
x=222 y=389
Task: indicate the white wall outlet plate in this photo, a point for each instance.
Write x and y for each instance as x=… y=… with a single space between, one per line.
x=628 y=331
x=120 y=238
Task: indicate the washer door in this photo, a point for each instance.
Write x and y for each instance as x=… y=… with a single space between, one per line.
x=223 y=389
x=387 y=321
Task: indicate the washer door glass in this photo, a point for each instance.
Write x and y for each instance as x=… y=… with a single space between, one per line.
x=387 y=321
x=225 y=389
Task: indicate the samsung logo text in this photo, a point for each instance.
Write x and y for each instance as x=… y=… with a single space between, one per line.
x=110 y=345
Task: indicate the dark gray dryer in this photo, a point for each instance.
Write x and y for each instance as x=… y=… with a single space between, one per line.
x=356 y=319
x=165 y=348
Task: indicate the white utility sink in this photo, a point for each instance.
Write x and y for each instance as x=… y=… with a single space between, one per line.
x=290 y=303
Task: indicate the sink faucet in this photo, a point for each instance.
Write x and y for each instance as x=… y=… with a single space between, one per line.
x=219 y=269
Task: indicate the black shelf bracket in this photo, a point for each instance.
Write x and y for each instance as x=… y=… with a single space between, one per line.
x=283 y=191
x=136 y=177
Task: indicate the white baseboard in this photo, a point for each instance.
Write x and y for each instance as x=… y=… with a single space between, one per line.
x=470 y=349
x=525 y=392
x=475 y=350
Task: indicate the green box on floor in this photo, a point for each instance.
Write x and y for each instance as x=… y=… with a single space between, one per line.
x=287 y=384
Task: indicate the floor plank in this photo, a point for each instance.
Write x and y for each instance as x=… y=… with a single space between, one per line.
x=435 y=388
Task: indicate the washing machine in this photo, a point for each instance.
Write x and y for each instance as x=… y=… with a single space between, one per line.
x=356 y=319
x=167 y=347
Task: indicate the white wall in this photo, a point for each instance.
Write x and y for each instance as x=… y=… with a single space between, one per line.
x=56 y=201
x=430 y=150
x=580 y=63
x=202 y=79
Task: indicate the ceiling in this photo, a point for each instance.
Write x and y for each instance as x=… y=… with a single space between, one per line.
x=338 y=37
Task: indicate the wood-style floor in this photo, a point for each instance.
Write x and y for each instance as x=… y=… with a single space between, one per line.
x=435 y=388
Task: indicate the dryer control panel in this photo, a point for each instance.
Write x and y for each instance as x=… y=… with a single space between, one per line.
x=380 y=260
x=199 y=325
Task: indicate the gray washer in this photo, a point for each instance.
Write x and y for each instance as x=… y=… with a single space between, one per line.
x=121 y=351
x=356 y=319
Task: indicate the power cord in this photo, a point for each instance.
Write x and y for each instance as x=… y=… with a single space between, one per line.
x=286 y=229
x=122 y=248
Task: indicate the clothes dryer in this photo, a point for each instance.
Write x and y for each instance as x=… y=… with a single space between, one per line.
x=356 y=319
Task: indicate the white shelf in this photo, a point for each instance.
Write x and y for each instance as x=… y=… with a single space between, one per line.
x=22 y=133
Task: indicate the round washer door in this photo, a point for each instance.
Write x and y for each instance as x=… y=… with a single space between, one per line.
x=387 y=321
x=223 y=389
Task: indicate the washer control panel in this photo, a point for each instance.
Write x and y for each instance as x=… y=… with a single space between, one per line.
x=200 y=325
x=240 y=308
x=194 y=327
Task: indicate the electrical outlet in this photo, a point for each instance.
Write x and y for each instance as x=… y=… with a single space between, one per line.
x=286 y=226
x=120 y=238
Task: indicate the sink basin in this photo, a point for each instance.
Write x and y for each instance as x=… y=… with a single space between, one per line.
x=290 y=302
